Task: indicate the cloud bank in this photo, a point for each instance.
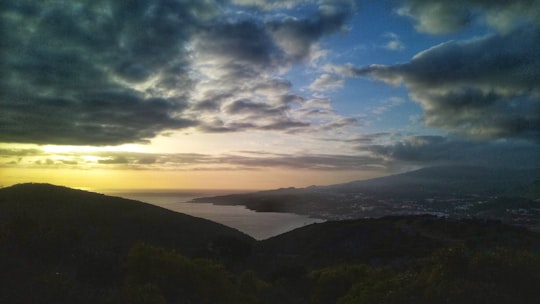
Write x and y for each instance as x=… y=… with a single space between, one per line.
x=240 y=160
x=111 y=72
x=484 y=88
x=441 y=150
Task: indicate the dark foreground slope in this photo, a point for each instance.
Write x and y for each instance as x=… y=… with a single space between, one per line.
x=59 y=245
x=405 y=259
x=396 y=240
x=51 y=235
x=40 y=211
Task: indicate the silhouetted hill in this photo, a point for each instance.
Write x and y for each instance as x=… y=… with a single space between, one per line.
x=404 y=259
x=60 y=245
x=98 y=221
x=55 y=239
x=384 y=241
x=445 y=180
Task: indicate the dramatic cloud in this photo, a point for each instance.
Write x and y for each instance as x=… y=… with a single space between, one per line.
x=242 y=160
x=485 y=87
x=439 y=150
x=239 y=65
x=110 y=72
x=376 y=151
x=99 y=72
x=441 y=16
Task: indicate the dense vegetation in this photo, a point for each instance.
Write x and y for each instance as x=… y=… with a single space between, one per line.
x=450 y=275
x=57 y=242
x=59 y=245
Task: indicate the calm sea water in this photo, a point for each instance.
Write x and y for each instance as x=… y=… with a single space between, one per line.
x=259 y=225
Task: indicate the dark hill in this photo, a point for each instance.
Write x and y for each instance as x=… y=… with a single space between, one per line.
x=99 y=222
x=385 y=241
x=59 y=245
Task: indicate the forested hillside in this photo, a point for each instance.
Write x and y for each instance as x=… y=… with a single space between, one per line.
x=60 y=245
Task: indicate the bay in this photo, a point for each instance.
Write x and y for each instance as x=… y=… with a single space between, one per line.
x=259 y=225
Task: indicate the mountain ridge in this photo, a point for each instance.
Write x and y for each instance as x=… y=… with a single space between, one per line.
x=496 y=175
x=448 y=191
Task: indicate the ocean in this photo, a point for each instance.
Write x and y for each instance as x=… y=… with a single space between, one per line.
x=259 y=225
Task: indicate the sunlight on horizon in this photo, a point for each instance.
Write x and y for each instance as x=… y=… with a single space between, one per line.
x=100 y=179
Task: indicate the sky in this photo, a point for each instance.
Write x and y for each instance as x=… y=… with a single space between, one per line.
x=253 y=94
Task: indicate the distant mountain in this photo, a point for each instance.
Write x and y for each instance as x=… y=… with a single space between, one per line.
x=449 y=190
x=446 y=180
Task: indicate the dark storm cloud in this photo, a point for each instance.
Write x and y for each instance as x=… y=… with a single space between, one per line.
x=110 y=72
x=486 y=87
x=96 y=118
x=70 y=69
x=238 y=44
x=440 y=150
x=441 y=16
x=509 y=61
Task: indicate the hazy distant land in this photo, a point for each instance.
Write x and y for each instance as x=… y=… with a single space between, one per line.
x=510 y=195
